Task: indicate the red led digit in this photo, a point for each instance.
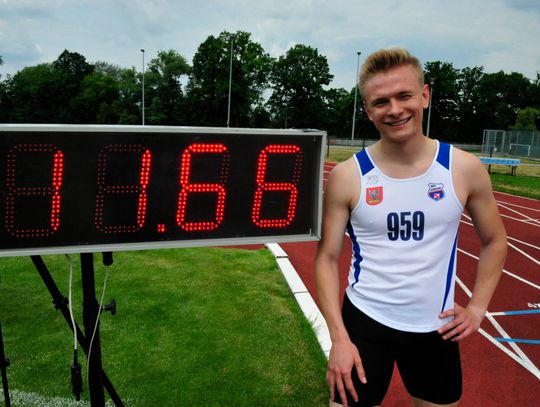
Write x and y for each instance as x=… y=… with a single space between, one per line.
x=106 y=191
x=143 y=200
x=265 y=186
x=187 y=188
x=14 y=191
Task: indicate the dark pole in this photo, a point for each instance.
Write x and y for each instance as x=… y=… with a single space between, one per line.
x=4 y=363
x=91 y=324
x=491 y=155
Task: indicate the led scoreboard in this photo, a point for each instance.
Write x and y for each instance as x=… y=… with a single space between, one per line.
x=66 y=188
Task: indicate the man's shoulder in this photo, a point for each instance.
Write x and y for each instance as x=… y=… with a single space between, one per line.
x=343 y=177
x=466 y=161
x=345 y=168
x=470 y=175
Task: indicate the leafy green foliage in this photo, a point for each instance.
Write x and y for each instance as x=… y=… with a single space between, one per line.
x=163 y=88
x=208 y=87
x=527 y=119
x=297 y=79
x=289 y=91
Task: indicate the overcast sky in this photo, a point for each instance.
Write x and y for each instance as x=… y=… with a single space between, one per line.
x=496 y=34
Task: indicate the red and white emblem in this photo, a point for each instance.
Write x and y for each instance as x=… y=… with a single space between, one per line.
x=374 y=195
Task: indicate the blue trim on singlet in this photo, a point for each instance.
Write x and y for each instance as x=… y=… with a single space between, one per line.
x=450 y=272
x=356 y=253
x=443 y=157
x=365 y=163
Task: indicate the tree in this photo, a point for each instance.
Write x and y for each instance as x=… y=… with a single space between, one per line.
x=527 y=119
x=445 y=97
x=71 y=68
x=339 y=105
x=32 y=95
x=163 y=88
x=129 y=103
x=208 y=86
x=501 y=96
x=97 y=99
x=298 y=98
x=105 y=68
x=469 y=125
x=73 y=65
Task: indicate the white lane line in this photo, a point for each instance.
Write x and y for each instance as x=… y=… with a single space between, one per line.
x=513 y=247
x=519 y=206
x=528 y=218
x=523 y=253
x=515 y=196
x=519 y=355
x=524 y=243
x=507 y=352
x=504 y=271
x=530 y=221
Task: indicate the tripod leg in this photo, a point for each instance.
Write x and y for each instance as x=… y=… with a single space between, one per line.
x=60 y=303
x=91 y=328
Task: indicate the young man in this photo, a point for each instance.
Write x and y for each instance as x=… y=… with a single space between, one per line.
x=401 y=202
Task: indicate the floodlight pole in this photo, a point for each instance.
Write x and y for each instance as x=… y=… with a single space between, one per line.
x=142 y=99
x=355 y=94
x=230 y=82
x=429 y=107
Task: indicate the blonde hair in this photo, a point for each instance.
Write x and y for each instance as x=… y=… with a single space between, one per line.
x=385 y=59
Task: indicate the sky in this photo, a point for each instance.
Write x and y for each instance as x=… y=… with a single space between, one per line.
x=496 y=34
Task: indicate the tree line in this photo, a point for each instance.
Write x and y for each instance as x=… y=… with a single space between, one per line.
x=291 y=91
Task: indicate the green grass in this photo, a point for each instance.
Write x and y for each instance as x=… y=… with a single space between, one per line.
x=521 y=185
x=194 y=327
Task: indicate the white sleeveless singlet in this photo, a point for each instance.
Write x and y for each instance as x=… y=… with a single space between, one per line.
x=404 y=244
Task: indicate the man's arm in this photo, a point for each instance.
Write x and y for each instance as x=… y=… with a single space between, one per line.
x=340 y=193
x=488 y=225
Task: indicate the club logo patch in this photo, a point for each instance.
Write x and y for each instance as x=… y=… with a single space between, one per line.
x=372 y=179
x=374 y=195
x=436 y=191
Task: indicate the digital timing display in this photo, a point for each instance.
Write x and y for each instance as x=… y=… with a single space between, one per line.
x=102 y=188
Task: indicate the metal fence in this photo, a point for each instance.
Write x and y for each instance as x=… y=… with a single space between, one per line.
x=515 y=143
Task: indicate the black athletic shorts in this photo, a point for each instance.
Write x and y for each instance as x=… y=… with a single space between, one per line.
x=429 y=366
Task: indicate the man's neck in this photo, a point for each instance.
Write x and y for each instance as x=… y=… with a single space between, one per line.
x=404 y=160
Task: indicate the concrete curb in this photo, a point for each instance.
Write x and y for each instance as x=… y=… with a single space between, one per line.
x=303 y=297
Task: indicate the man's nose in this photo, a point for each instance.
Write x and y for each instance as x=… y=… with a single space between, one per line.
x=395 y=107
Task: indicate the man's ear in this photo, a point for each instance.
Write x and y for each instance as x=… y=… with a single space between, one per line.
x=426 y=94
x=368 y=112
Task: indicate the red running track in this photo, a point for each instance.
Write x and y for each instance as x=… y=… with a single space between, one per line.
x=496 y=372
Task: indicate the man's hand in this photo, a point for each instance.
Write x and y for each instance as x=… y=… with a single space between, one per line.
x=343 y=356
x=465 y=322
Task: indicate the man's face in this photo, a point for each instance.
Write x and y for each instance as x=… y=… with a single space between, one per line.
x=395 y=101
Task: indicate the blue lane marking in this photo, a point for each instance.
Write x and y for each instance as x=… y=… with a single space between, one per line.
x=524 y=312
x=529 y=341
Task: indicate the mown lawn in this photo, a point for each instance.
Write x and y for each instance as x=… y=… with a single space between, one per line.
x=194 y=327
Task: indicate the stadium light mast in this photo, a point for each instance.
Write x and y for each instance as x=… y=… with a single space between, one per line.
x=355 y=93
x=231 y=38
x=429 y=106
x=142 y=98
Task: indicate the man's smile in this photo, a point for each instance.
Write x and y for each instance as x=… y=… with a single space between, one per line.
x=397 y=123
